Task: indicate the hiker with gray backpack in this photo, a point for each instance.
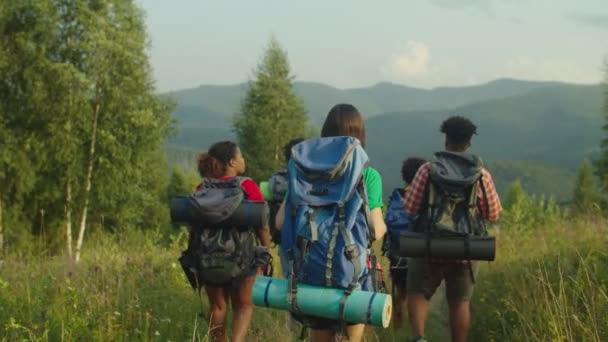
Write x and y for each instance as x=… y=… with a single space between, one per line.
x=453 y=196
x=331 y=216
x=275 y=189
x=229 y=222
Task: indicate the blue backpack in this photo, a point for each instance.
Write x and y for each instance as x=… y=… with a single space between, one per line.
x=396 y=218
x=326 y=234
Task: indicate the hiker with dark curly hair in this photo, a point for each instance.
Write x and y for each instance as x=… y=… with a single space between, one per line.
x=222 y=166
x=457 y=166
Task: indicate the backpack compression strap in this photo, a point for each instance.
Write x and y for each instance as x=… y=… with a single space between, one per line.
x=352 y=253
x=368 y=213
x=431 y=196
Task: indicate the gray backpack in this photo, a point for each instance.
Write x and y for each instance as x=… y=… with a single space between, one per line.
x=278 y=185
x=218 y=253
x=452 y=202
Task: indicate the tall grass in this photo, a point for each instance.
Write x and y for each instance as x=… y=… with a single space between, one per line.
x=548 y=284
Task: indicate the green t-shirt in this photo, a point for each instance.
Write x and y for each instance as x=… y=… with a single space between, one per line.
x=373 y=186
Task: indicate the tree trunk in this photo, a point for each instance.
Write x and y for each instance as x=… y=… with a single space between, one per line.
x=85 y=207
x=68 y=216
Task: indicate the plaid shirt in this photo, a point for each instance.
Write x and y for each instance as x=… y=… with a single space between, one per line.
x=415 y=195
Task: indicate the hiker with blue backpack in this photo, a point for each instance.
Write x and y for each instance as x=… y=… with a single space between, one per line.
x=224 y=256
x=331 y=216
x=453 y=196
x=398 y=220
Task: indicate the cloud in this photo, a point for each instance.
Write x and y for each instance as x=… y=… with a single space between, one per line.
x=599 y=20
x=412 y=60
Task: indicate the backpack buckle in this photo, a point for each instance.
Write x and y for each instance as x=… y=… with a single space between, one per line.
x=341 y=212
x=314 y=229
x=351 y=251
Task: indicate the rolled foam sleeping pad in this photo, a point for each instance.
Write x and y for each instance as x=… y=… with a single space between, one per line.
x=182 y=210
x=361 y=306
x=248 y=214
x=414 y=245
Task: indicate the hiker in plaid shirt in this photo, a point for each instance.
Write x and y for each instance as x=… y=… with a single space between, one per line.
x=424 y=277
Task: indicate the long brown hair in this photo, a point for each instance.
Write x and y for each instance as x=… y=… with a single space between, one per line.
x=213 y=163
x=344 y=120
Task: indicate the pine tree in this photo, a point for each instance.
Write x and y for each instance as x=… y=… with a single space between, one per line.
x=585 y=197
x=601 y=164
x=270 y=115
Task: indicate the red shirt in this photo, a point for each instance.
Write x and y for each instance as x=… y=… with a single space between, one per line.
x=249 y=186
x=415 y=195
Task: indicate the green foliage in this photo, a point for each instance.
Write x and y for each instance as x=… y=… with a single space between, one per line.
x=601 y=164
x=526 y=212
x=270 y=115
x=586 y=200
x=181 y=182
x=77 y=90
x=549 y=285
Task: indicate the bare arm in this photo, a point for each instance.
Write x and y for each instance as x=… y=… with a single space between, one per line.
x=280 y=218
x=377 y=219
x=264 y=235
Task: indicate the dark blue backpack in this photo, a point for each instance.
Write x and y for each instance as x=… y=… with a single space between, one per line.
x=397 y=220
x=326 y=234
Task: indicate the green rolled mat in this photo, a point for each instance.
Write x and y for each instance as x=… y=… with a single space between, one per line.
x=265 y=188
x=360 y=307
x=414 y=245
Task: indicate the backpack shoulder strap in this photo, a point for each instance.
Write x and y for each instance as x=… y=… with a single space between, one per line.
x=240 y=180
x=368 y=213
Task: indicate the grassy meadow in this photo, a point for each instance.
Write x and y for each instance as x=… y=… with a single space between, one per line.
x=548 y=284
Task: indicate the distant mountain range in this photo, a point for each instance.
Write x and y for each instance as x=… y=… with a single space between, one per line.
x=543 y=129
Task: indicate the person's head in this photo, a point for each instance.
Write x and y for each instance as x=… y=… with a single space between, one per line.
x=409 y=168
x=289 y=145
x=223 y=158
x=344 y=120
x=458 y=132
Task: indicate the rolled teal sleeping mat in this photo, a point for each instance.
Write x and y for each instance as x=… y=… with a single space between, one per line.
x=360 y=307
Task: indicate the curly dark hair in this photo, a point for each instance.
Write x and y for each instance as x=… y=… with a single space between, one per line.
x=458 y=130
x=409 y=168
x=213 y=163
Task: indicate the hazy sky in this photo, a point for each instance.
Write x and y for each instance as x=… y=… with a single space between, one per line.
x=357 y=43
